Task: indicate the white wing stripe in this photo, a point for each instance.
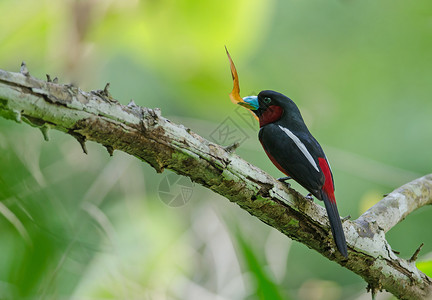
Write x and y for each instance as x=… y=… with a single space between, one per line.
x=301 y=146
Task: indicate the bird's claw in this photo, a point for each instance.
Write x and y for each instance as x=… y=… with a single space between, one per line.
x=346 y=218
x=283 y=179
x=309 y=197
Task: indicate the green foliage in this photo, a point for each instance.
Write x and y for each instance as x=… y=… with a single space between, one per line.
x=425 y=267
x=265 y=287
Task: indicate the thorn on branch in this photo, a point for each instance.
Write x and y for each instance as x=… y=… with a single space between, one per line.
x=105 y=94
x=106 y=90
x=346 y=218
x=55 y=80
x=416 y=253
x=232 y=148
x=143 y=126
x=81 y=139
x=44 y=129
x=72 y=88
x=373 y=289
x=156 y=112
x=24 y=69
x=132 y=104
x=17 y=115
x=148 y=112
x=110 y=149
x=373 y=292
x=83 y=145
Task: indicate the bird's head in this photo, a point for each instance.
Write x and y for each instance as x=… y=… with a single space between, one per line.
x=270 y=106
x=264 y=101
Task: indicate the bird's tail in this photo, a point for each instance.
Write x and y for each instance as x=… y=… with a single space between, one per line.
x=335 y=223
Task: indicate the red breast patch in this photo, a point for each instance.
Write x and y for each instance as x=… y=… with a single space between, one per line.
x=270 y=115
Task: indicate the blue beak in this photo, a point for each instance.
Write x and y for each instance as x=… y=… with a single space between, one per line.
x=252 y=101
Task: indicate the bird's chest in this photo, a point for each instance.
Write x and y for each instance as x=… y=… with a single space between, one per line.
x=270 y=115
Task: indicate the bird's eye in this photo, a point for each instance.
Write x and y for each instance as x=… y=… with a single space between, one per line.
x=267 y=100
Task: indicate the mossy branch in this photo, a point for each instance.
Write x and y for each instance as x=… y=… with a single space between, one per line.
x=145 y=134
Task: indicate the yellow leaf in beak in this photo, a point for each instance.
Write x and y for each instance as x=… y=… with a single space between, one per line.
x=235 y=93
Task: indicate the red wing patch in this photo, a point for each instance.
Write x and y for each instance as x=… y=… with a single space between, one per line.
x=328 y=187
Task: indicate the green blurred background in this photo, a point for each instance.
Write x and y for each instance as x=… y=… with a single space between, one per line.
x=76 y=226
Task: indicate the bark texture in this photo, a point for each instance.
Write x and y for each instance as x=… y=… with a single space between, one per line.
x=145 y=134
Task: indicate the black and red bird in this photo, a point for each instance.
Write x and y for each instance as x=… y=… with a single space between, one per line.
x=295 y=152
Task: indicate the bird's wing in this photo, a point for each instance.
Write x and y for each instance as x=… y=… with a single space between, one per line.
x=296 y=155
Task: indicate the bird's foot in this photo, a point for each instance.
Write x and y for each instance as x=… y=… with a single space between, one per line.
x=346 y=218
x=283 y=180
x=309 y=197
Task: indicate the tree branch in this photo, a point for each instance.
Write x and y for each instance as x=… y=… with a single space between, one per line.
x=399 y=204
x=145 y=134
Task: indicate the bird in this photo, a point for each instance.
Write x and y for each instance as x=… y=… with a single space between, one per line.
x=292 y=148
x=295 y=152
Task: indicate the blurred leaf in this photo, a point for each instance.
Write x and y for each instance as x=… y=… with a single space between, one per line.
x=425 y=267
x=369 y=199
x=185 y=37
x=265 y=287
